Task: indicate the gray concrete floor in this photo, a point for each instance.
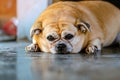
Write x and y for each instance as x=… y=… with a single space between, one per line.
x=17 y=64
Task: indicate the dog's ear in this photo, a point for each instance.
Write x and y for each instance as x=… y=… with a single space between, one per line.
x=36 y=29
x=83 y=26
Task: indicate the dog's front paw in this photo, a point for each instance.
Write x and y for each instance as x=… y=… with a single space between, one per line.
x=91 y=49
x=32 y=48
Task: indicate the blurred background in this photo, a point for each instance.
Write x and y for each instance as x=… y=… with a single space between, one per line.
x=17 y=17
x=7 y=13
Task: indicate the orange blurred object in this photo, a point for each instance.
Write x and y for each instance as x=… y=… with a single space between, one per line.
x=7 y=10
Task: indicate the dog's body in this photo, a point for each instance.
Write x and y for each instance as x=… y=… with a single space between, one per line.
x=71 y=26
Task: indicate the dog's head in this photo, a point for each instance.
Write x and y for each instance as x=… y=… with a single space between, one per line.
x=61 y=37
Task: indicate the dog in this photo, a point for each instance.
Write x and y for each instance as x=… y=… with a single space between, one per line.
x=69 y=27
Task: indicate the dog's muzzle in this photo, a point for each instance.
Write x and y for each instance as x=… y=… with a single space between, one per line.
x=61 y=48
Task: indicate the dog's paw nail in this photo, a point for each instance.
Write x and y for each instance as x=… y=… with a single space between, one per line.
x=91 y=49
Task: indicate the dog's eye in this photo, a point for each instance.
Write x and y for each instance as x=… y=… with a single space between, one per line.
x=69 y=36
x=50 y=38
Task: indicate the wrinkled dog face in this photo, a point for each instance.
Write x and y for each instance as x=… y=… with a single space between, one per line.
x=60 y=37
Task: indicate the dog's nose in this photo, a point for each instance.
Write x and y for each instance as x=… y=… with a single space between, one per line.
x=61 y=47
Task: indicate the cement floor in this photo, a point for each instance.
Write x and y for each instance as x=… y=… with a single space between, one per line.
x=17 y=64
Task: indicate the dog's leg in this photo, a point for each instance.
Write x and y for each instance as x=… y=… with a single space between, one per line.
x=32 y=48
x=93 y=46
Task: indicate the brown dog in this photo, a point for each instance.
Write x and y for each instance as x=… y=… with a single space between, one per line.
x=72 y=26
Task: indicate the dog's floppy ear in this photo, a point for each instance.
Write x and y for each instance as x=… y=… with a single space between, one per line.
x=36 y=29
x=83 y=26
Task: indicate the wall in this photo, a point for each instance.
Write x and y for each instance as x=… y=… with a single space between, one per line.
x=27 y=12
